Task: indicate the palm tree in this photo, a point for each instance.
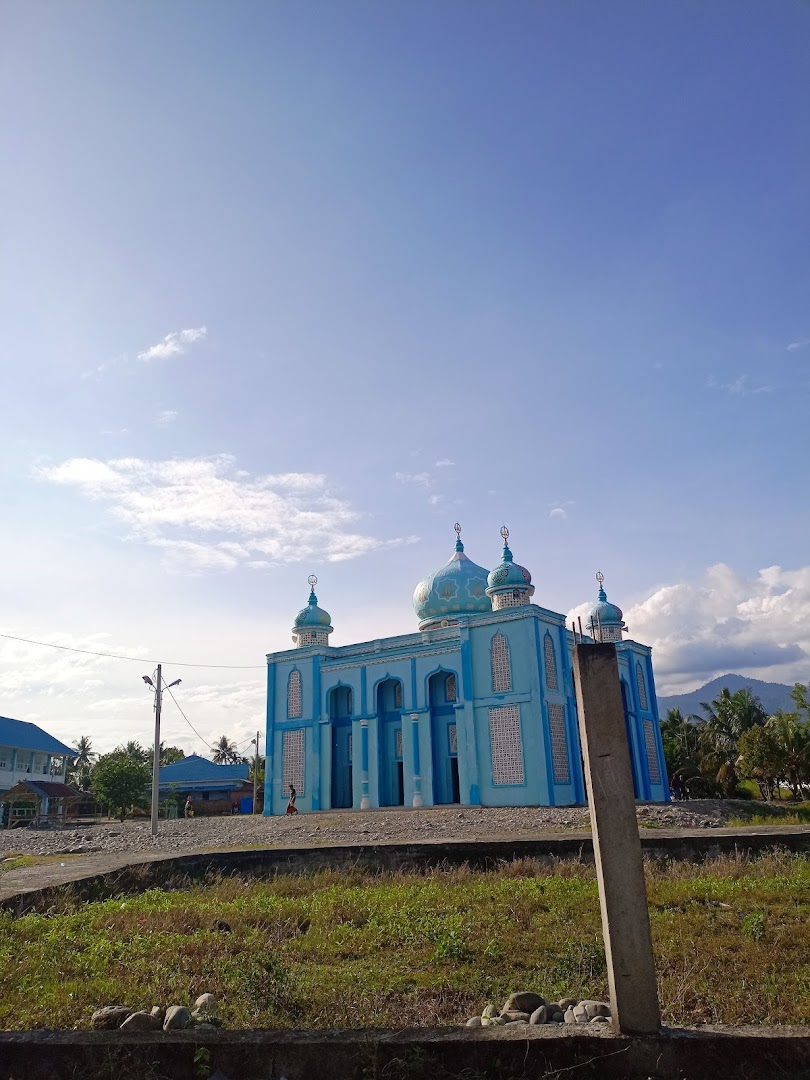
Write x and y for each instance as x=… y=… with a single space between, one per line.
x=226 y=752
x=84 y=751
x=792 y=736
x=135 y=752
x=727 y=717
x=681 y=738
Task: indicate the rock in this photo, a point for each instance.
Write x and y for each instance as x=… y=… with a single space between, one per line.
x=474 y=1021
x=142 y=1021
x=580 y=1014
x=110 y=1017
x=568 y=1016
x=516 y=1023
x=539 y=1016
x=557 y=1017
x=595 y=1008
x=177 y=1018
x=513 y=1016
x=566 y=1003
x=205 y=1003
x=600 y=1020
x=524 y=1002
x=157 y=1011
x=489 y=1012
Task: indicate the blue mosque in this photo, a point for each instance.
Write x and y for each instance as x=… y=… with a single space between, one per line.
x=475 y=708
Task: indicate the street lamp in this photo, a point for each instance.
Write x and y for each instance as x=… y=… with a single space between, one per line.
x=158 y=689
x=255 y=742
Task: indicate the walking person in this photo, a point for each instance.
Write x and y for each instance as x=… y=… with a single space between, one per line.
x=291 y=808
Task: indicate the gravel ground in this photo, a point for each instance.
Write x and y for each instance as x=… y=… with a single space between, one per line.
x=345 y=827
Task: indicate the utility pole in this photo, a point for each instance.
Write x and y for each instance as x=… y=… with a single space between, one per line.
x=156 y=759
x=157 y=689
x=256 y=773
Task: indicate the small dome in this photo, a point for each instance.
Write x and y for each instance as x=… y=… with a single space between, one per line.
x=312 y=615
x=508 y=576
x=605 y=621
x=312 y=624
x=458 y=588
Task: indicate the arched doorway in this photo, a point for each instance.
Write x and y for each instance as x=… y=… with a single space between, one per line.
x=340 y=718
x=389 y=734
x=442 y=695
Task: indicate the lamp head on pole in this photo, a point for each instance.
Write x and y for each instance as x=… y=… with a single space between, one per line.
x=147 y=680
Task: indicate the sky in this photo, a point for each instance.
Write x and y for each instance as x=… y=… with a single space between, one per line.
x=291 y=287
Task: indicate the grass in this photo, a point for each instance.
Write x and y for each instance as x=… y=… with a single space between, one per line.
x=352 y=949
x=773 y=813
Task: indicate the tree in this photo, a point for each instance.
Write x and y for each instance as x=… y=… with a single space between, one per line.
x=84 y=751
x=761 y=758
x=170 y=754
x=226 y=752
x=80 y=766
x=727 y=717
x=793 y=738
x=801 y=695
x=681 y=739
x=120 y=782
x=134 y=751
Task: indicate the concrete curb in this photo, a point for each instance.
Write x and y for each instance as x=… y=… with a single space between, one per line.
x=713 y=1053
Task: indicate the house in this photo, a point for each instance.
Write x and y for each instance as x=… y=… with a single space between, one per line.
x=222 y=787
x=476 y=708
x=29 y=753
x=38 y=801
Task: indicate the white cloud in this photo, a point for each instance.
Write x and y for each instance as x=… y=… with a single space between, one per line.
x=166 y=417
x=444 y=463
x=422 y=479
x=725 y=623
x=206 y=515
x=173 y=344
x=795 y=345
x=99 y=369
x=558 y=513
x=739 y=387
x=436 y=500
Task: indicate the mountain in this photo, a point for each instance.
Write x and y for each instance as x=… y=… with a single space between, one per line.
x=773 y=695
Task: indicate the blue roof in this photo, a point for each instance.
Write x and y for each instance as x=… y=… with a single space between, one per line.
x=25 y=736
x=196 y=769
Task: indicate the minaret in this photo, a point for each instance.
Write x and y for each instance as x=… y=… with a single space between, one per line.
x=604 y=620
x=312 y=624
x=509 y=585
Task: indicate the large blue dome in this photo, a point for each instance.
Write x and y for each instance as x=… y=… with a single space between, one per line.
x=312 y=615
x=458 y=588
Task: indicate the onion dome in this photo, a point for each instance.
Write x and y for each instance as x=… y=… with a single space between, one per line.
x=605 y=621
x=312 y=624
x=458 y=588
x=509 y=585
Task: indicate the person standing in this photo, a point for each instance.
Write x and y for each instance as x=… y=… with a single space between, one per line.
x=189 y=809
x=291 y=808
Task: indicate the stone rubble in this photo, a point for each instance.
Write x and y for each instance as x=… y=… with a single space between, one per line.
x=403 y=825
x=564 y=1011
x=173 y=1018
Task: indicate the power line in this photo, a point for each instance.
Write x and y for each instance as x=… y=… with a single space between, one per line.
x=134 y=659
x=205 y=742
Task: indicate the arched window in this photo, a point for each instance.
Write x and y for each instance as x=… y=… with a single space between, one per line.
x=499 y=659
x=349 y=701
x=551 y=663
x=294 y=695
x=398 y=695
x=450 y=688
x=642 y=689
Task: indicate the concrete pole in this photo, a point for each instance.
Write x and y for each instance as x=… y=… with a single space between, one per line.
x=156 y=756
x=365 y=801
x=616 y=844
x=255 y=773
x=417 y=776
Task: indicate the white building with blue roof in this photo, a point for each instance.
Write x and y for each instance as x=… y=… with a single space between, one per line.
x=29 y=753
x=477 y=708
